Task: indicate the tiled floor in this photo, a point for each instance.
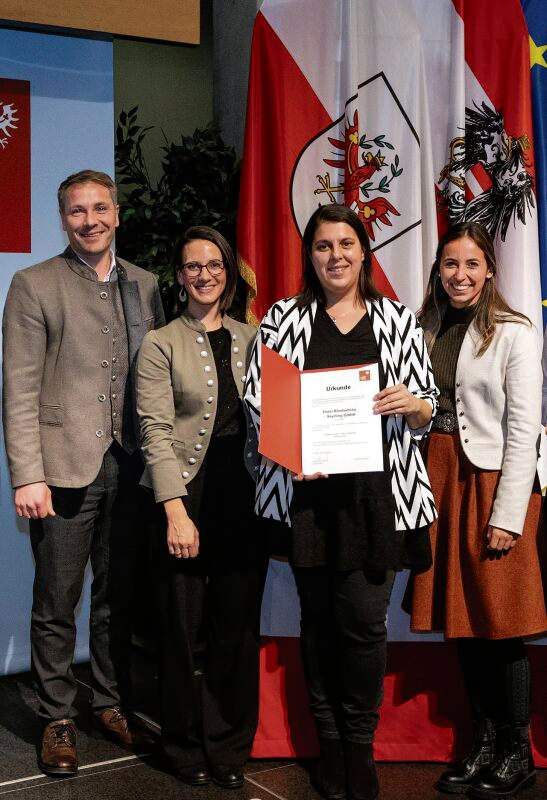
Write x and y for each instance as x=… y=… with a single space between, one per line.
x=106 y=771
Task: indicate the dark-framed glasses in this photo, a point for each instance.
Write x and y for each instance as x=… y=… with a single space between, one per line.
x=194 y=268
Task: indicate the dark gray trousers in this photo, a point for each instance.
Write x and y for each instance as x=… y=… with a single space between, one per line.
x=343 y=643
x=97 y=523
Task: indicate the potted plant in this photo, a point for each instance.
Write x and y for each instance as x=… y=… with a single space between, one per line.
x=199 y=185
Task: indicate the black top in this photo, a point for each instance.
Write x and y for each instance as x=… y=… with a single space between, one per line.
x=230 y=419
x=344 y=521
x=220 y=497
x=445 y=352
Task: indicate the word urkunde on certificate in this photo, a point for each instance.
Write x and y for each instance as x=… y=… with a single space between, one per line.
x=340 y=432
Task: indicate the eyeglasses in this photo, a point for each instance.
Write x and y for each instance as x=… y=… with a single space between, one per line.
x=193 y=268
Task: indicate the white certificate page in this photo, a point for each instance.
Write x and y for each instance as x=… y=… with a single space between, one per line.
x=340 y=433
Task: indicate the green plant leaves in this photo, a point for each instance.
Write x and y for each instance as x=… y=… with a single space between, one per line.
x=199 y=185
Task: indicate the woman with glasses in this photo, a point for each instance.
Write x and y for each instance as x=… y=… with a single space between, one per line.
x=210 y=560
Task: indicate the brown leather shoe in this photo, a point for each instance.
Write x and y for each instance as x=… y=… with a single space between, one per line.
x=113 y=724
x=58 y=754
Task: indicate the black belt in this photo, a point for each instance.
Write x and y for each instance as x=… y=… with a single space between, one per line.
x=447 y=422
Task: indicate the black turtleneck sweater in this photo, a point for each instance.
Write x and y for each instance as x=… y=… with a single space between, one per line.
x=445 y=351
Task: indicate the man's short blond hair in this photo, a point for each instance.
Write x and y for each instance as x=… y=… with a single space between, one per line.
x=86 y=176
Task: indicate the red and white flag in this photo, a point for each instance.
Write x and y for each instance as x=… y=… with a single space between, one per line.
x=15 y=166
x=412 y=113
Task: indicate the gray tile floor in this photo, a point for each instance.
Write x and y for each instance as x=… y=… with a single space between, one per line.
x=107 y=772
x=134 y=778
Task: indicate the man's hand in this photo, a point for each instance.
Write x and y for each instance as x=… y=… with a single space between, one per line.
x=33 y=501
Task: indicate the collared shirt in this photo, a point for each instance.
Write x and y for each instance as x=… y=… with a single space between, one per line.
x=111 y=274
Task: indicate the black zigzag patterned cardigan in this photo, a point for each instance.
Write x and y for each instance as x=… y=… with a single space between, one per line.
x=287 y=330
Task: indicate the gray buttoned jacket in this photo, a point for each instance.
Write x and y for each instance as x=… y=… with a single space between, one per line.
x=57 y=356
x=177 y=396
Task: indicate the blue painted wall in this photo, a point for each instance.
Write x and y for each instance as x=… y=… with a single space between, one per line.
x=72 y=128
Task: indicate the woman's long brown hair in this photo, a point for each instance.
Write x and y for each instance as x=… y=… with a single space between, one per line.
x=491 y=308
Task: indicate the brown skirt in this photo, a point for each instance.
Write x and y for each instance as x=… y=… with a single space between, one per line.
x=470 y=591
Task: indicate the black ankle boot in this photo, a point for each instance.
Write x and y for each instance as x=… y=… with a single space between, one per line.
x=513 y=769
x=330 y=776
x=458 y=778
x=362 y=780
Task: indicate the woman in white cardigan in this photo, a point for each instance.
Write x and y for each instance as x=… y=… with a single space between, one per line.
x=485 y=588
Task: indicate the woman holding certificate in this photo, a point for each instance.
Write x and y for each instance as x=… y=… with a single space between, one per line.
x=350 y=532
x=486 y=588
x=210 y=559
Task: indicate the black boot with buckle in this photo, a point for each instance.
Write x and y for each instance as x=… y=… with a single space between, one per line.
x=458 y=778
x=513 y=769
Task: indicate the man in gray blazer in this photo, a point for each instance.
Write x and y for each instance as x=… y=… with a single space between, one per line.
x=72 y=328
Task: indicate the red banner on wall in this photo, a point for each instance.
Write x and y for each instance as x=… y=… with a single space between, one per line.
x=15 y=166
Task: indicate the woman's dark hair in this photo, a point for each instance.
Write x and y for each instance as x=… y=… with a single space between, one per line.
x=311 y=288
x=491 y=307
x=210 y=235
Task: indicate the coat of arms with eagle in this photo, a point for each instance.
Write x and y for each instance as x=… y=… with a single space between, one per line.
x=365 y=180
x=487 y=177
x=365 y=159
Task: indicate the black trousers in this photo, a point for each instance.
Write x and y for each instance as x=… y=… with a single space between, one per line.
x=343 y=640
x=97 y=523
x=497 y=679
x=211 y=605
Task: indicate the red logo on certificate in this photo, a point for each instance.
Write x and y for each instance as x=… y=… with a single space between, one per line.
x=15 y=165
x=364 y=374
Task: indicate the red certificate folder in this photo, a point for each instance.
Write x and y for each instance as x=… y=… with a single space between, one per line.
x=281 y=414
x=280 y=417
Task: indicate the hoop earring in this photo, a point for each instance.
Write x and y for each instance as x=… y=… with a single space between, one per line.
x=183 y=297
